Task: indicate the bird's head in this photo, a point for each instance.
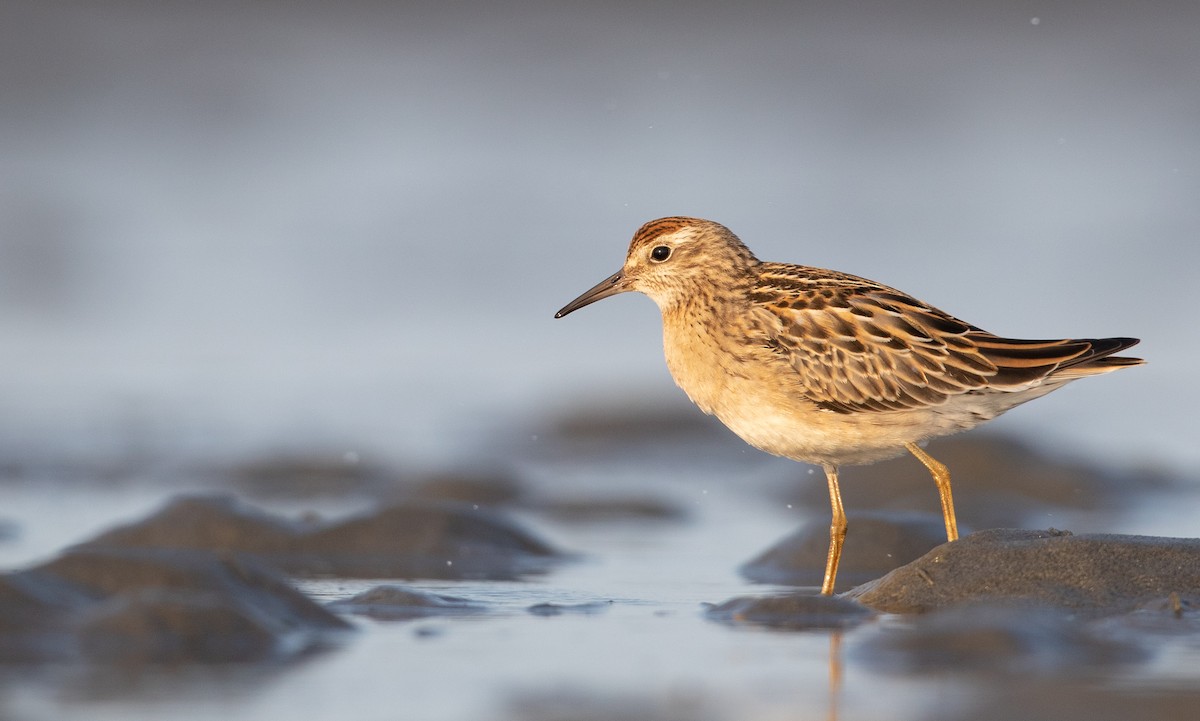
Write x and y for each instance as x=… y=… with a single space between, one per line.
x=673 y=260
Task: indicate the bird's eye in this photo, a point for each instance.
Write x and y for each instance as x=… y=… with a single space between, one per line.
x=660 y=253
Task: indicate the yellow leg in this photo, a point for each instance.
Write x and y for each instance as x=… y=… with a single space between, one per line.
x=941 y=476
x=837 y=531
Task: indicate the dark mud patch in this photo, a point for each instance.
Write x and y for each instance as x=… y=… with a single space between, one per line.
x=153 y=606
x=796 y=611
x=1093 y=574
x=396 y=603
x=412 y=540
x=479 y=489
x=590 y=608
x=643 y=509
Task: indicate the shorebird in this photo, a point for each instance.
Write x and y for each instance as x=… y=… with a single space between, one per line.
x=829 y=368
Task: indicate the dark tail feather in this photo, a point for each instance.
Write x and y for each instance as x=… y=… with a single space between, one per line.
x=1098 y=359
x=1020 y=361
x=1101 y=350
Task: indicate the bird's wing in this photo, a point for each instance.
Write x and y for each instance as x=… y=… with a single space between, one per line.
x=860 y=346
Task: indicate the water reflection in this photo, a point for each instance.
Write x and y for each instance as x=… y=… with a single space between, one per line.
x=835 y=674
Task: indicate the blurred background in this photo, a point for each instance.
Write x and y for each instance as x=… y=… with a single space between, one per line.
x=229 y=226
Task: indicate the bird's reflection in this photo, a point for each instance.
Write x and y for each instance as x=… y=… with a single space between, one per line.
x=835 y=674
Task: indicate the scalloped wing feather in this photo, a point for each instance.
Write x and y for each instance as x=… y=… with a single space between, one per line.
x=861 y=346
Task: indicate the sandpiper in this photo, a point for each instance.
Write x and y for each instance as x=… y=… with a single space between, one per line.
x=828 y=368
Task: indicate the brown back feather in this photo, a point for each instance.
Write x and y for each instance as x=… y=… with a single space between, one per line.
x=861 y=346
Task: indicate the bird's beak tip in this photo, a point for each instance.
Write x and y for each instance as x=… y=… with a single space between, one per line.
x=612 y=285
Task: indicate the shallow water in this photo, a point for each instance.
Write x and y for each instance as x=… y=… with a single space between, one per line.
x=645 y=651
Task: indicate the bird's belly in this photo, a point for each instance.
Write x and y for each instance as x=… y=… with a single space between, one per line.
x=797 y=429
x=758 y=403
x=818 y=436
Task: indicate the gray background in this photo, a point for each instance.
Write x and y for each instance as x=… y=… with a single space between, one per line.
x=227 y=226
